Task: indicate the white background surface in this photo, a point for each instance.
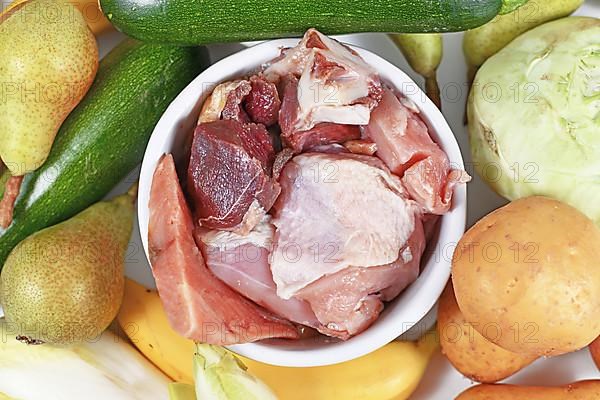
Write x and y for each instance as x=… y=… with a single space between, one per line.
x=441 y=381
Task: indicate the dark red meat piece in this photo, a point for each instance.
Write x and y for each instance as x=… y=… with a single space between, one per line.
x=229 y=175
x=257 y=141
x=262 y=103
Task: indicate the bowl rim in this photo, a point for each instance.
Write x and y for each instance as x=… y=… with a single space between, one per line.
x=418 y=298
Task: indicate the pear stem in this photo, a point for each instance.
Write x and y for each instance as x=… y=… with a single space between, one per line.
x=433 y=90
x=127 y=198
x=133 y=191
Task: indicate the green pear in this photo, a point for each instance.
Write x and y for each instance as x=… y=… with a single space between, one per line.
x=481 y=43
x=423 y=52
x=49 y=61
x=64 y=284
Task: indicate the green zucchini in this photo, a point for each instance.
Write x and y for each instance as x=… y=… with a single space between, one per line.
x=104 y=138
x=5 y=174
x=187 y=22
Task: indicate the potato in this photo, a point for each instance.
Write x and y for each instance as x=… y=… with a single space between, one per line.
x=583 y=390
x=595 y=351
x=527 y=277
x=470 y=353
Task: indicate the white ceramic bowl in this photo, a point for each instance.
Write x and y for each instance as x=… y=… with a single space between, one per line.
x=176 y=126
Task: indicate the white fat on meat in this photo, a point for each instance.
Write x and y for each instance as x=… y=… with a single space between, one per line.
x=336 y=85
x=260 y=236
x=215 y=103
x=336 y=211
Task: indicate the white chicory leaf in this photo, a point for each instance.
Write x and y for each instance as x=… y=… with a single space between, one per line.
x=105 y=368
x=180 y=391
x=220 y=375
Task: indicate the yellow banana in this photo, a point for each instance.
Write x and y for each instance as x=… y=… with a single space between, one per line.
x=144 y=321
x=390 y=373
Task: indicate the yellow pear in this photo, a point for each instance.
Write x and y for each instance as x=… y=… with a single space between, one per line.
x=49 y=60
x=90 y=9
x=65 y=283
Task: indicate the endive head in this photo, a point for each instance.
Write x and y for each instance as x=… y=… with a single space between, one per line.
x=220 y=375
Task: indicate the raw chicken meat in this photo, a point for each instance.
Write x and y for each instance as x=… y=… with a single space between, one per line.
x=229 y=175
x=242 y=262
x=199 y=306
x=347 y=302
x=335 y=86
x=322 y=223
x=404 y=144
x=321 y=134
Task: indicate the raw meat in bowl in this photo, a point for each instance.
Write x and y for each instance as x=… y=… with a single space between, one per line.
x=313 y=211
